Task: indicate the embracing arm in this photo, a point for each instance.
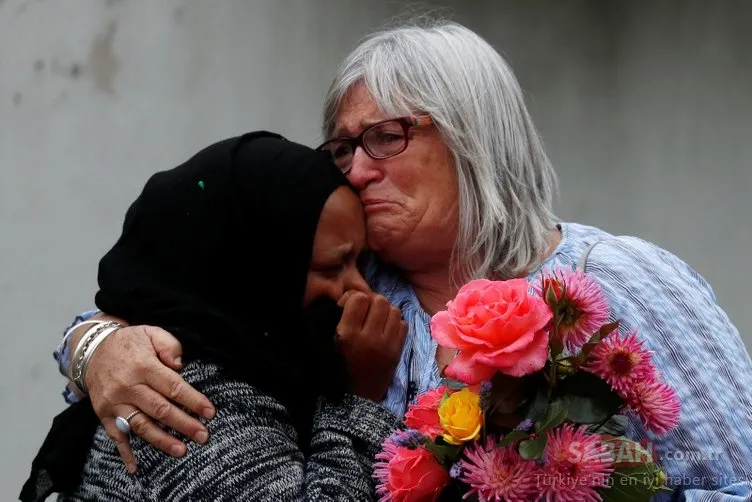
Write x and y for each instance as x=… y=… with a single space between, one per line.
x=136 y=366
x=254 y=455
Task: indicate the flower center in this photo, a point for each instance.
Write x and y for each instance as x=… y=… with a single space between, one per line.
x=621 y=363
x=570 y=314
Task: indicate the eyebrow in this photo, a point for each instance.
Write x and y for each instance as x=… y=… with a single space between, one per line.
x=363 y=125
x=339 y=252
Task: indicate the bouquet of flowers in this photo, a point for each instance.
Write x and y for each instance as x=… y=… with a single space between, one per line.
x=536 y=403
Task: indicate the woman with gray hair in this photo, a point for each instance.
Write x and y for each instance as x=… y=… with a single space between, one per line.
x=430 y=125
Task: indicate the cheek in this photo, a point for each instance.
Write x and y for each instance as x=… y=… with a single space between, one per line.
x=318 y=287
x=426 y=185
x=314 y=289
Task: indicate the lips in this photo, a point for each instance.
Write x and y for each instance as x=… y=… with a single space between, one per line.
x=371 y=202
x=373 y=205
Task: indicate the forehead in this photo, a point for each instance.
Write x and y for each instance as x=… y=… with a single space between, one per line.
x=357 y=111
x=341 y=220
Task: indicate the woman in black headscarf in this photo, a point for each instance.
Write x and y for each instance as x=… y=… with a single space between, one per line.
x=237 y=253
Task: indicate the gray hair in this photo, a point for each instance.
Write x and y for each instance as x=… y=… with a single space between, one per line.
x=506 y=182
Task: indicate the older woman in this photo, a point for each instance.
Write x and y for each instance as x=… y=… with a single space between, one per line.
x=430 y=125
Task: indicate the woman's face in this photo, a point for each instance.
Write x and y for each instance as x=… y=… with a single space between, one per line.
x=338 y=246
x=411 y=199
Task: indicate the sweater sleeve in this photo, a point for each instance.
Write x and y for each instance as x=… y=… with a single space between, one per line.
x=253 y=452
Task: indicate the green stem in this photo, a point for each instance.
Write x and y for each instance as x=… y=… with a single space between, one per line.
x=552 y=367
x=600 y=424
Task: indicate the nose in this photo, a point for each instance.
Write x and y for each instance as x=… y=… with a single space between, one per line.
x=364 y=170
x=354 y=280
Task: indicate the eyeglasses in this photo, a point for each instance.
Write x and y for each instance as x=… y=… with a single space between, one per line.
x=380 y=141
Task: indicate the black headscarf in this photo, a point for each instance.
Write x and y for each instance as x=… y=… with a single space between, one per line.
x=216 y=251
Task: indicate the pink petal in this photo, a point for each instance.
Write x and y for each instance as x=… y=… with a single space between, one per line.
x=519 y=344
x=464 y=369
x=444 y=332
x=534 y=357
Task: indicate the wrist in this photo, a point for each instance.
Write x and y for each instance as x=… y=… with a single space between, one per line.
x=70 y=342
x=85 y=350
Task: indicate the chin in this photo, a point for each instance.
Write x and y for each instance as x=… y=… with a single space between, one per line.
x=381 y=240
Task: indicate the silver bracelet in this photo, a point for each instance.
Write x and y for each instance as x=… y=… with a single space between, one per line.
x=97 y=339
x=81 y=351
x=69 y=332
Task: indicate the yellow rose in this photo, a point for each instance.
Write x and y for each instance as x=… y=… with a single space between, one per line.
x=461 y=417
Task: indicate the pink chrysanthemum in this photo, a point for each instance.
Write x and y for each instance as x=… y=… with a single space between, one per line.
x=622 y=362
x=657 y=405
x=576 y=464
x=498 y=473
x=585 y=308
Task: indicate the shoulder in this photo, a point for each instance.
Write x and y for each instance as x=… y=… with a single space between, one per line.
x=625 y=261
x=224 y=390
x=632 y=262
x=651 y=289
x=250 y=436
x=655 y=292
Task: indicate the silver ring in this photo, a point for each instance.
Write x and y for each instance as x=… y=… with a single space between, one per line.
x=123 y=423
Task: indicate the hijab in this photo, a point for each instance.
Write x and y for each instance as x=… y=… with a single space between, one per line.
x=217 y=251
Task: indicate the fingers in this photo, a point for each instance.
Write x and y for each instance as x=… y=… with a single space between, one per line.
x=146 y=429
x=354 y=314
x=122 y=443
x=378 y=314
x=174 y=388
x=346 y=295
x=166 y=346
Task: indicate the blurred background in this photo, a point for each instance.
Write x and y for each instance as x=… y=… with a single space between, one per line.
x=646 y=109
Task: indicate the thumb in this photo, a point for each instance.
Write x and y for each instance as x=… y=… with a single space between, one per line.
x=166 y=346
x=343 y=299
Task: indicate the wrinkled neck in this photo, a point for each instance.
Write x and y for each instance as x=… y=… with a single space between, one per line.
x=433 y=289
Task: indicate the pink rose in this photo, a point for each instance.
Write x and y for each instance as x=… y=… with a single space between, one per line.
x=423 y=416
x=496 y=326
x=415 y=476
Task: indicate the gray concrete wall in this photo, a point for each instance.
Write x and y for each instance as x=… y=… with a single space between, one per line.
x=645 y=106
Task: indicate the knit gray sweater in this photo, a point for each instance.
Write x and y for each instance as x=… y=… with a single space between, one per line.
x=252 y=453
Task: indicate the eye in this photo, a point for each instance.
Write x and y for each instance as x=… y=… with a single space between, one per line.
x=331 y=271
x=386 y=138
x=341 y=150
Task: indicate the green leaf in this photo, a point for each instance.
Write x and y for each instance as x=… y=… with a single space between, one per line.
x=513 y=436
x=589 y=399
x=444 y=452
x=566 y=366
x=557 y=413
x=588 y=348
x=538 y=406
x=551 y=299
x=630 y=483
x=606 y=329
x=532 y=449
x=453 y=384
x=602 y=333
x=614 y=426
